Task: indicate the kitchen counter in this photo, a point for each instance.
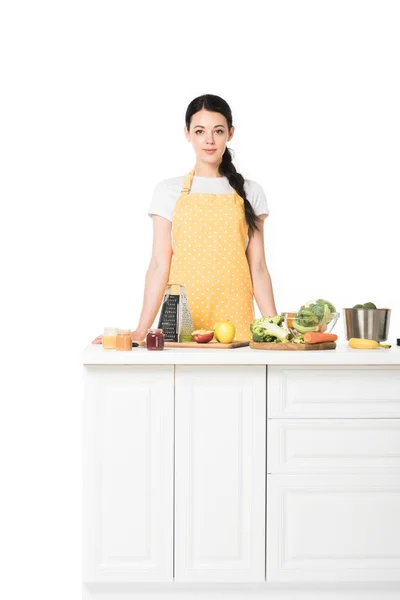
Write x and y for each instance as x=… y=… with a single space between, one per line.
x=94 y=354
x=241 y=474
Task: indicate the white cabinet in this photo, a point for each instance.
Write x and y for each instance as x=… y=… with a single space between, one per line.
x=333 y=483
x=128 y=473
x=220 y=433
x=333 y=528
x=240 y=474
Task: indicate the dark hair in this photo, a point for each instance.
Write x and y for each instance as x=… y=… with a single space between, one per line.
x=226 y=168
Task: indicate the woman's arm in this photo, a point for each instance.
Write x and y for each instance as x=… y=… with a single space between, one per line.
x=262 y=284
x=156 y=276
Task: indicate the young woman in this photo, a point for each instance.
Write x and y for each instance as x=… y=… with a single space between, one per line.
x=208 y=232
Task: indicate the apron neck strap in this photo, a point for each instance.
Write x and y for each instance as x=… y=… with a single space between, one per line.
x=187 y=182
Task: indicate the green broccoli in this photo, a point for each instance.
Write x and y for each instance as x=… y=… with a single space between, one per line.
x=318 y=309
x=314 y=316
x=304 y=328
x=278 y=319
x=331 y=306
x=256 y=324
x=326 y=318
x=268 y=329
x=257 y=337
x=366 y=305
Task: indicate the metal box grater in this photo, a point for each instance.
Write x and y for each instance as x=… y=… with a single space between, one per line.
x=175 y=318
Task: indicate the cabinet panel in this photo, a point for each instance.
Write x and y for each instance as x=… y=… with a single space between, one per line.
x=220 y=473
x=128 y=473
x=336 y=445
x=312 y=392
x=333 y=528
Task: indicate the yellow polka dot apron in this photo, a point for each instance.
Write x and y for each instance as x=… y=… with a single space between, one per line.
x=209 y=238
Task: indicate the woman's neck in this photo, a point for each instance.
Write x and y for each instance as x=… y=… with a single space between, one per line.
x=206 y=170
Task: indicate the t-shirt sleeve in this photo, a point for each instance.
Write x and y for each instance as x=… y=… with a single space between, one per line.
x=162 y=202
x=257 y=198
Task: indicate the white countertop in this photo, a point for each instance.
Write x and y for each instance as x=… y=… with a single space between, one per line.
x=94 y=354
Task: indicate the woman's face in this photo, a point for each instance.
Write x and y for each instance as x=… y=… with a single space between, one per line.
x=209 y=131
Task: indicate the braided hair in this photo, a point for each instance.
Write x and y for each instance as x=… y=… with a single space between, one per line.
x=226 y=168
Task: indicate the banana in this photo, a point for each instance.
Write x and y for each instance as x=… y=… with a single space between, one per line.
x=364 y=344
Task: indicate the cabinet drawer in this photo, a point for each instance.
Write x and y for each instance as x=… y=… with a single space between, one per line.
x=333 y=528
x=310 y=391
x=333 y=445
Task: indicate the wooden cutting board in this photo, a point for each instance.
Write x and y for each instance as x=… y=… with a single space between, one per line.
x=291 y=346
x=218 y=345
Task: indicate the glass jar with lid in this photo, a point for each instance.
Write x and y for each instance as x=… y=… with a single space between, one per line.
x=109 y=338
x=123 y=340
x=155 y=339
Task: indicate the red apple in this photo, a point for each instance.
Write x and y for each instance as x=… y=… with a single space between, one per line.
x=202 y=336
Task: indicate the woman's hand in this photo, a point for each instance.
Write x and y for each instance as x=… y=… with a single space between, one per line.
x=138 y=335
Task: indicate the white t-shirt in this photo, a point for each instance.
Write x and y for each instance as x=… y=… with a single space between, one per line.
x=167 y=192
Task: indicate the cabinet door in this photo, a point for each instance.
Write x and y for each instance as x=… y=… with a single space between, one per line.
x=333 y=528
x=128 y=473
x=220 y=428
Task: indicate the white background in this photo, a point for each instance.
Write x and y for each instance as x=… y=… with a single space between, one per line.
x=92 y=114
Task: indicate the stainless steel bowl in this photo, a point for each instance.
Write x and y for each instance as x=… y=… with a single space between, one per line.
x=368 y=323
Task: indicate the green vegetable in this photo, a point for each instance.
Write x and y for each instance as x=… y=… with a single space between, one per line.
x=268 y=329
x=366 y=305
x=326 y=317
x=314 y=316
